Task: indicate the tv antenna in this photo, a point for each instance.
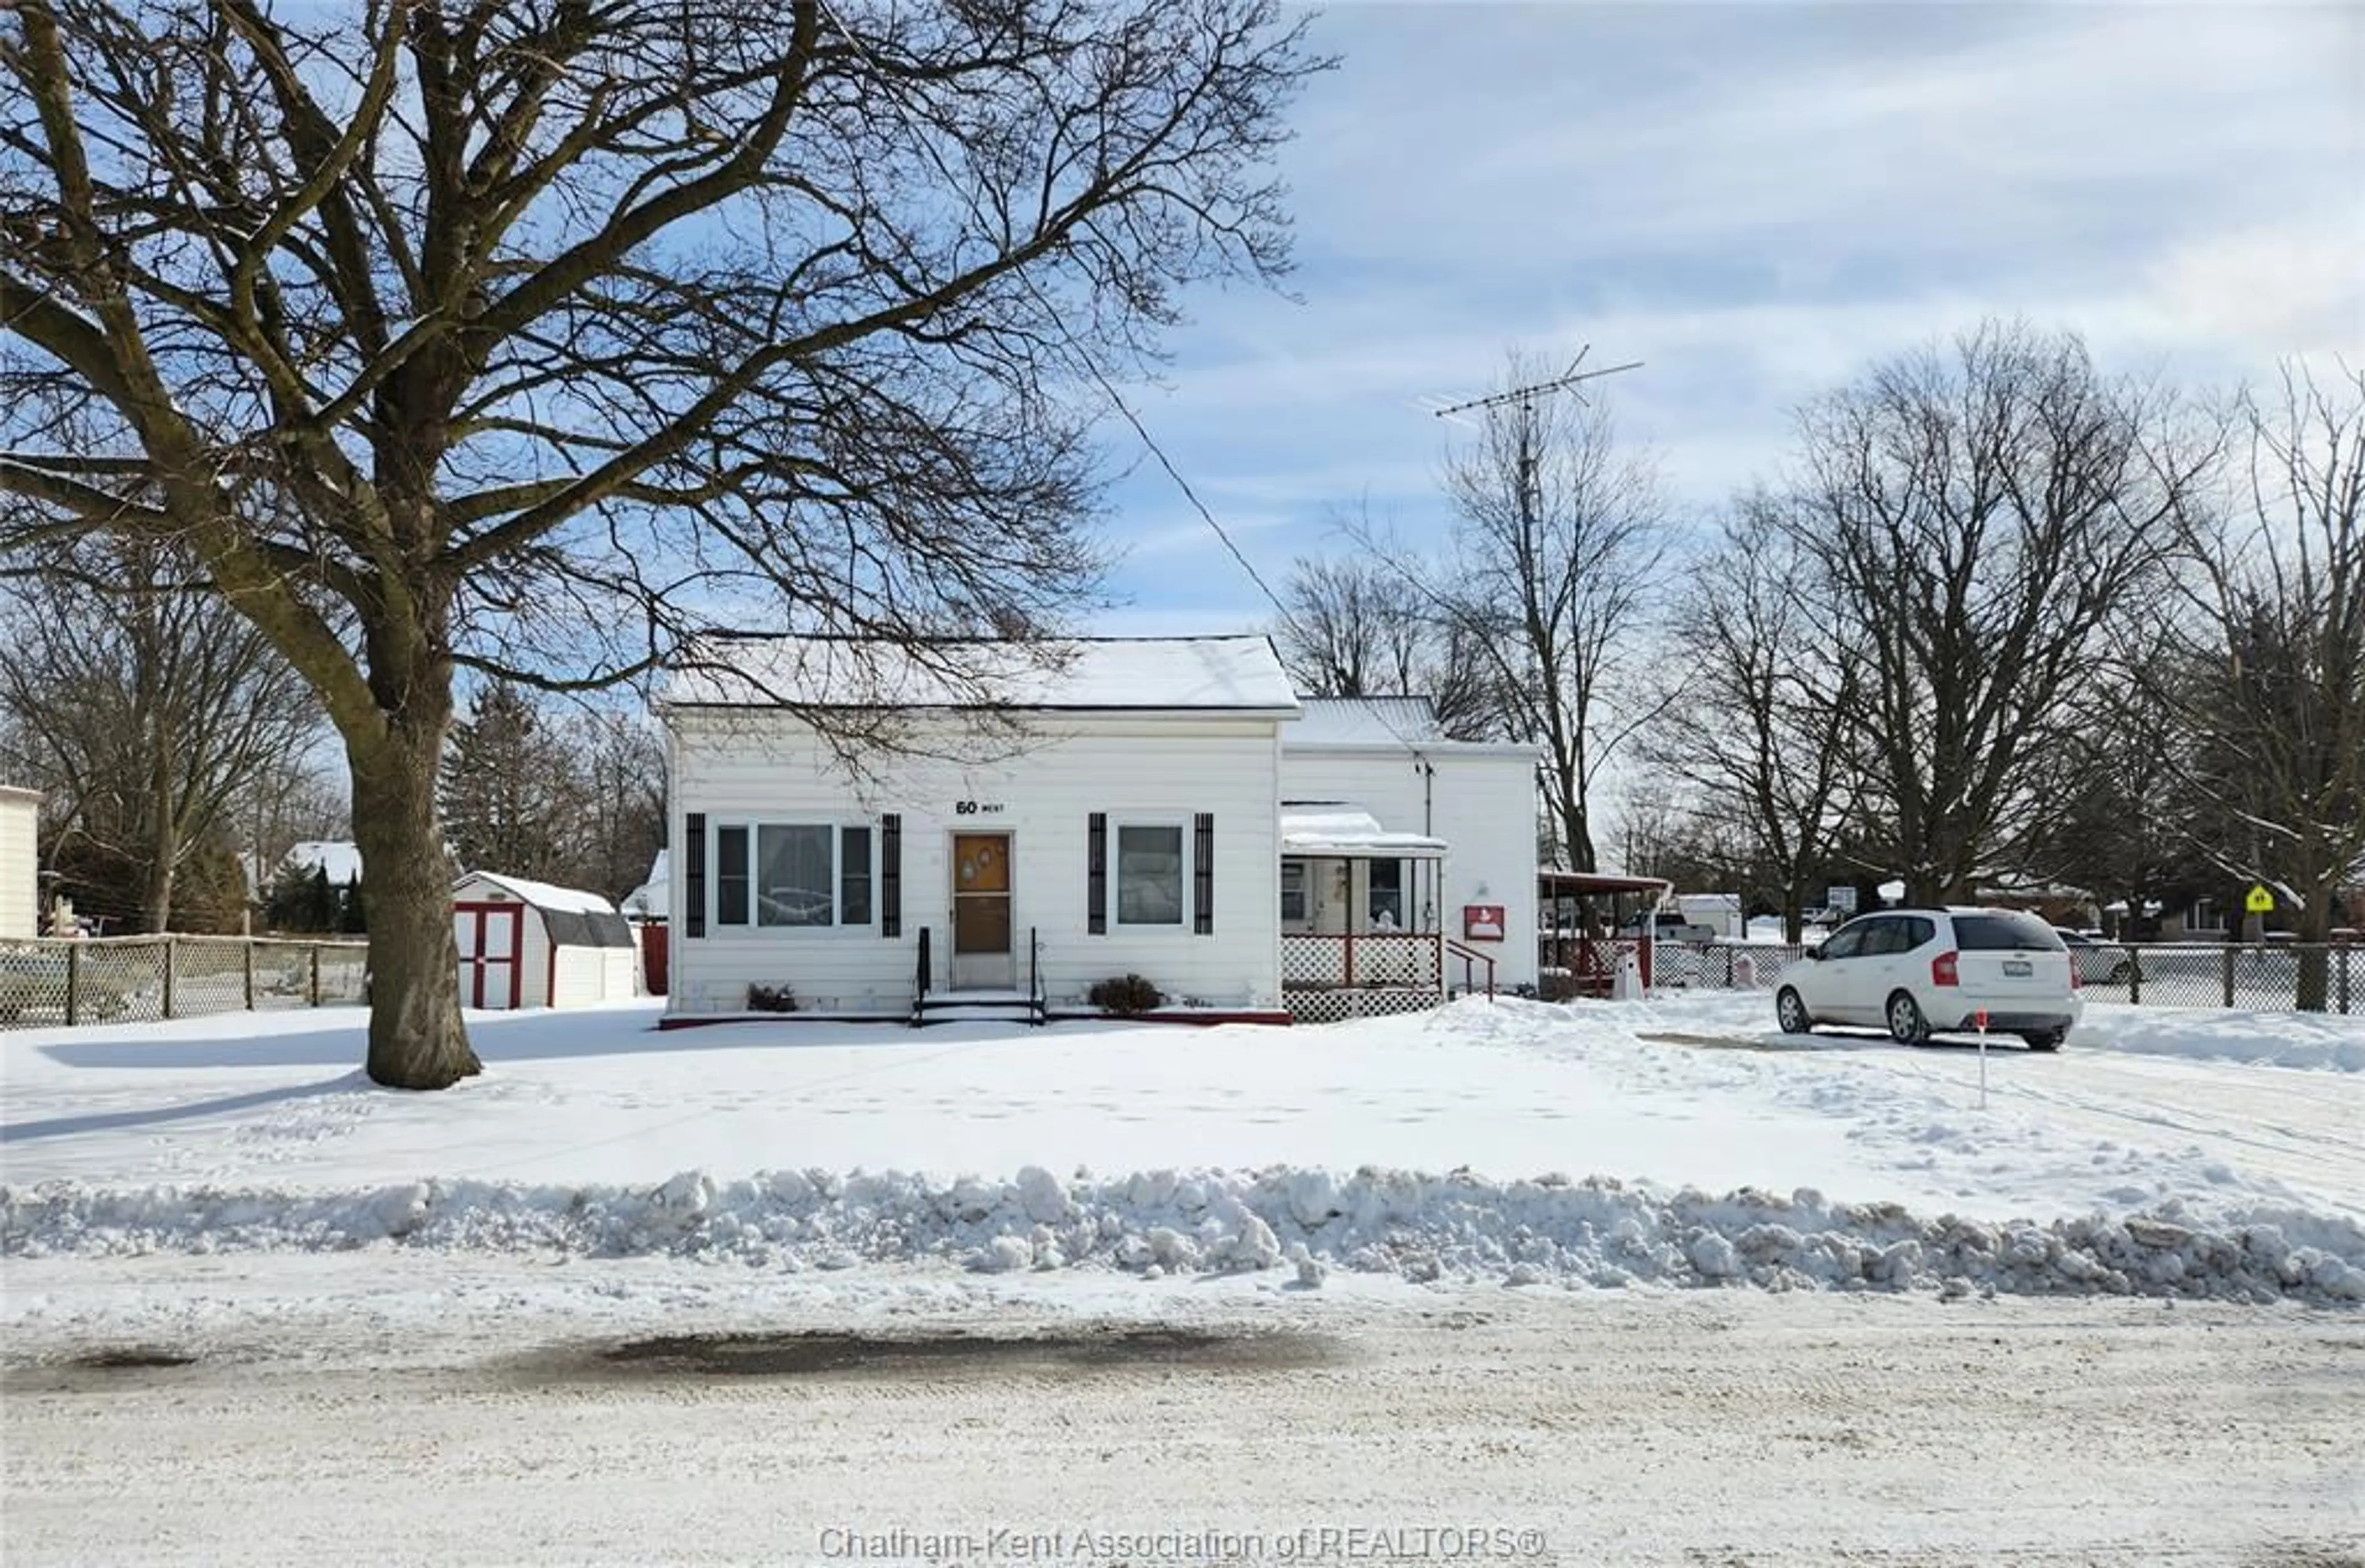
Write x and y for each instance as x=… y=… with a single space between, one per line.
x=1525 y=396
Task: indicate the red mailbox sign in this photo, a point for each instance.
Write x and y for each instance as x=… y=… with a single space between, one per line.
x=1482 y=923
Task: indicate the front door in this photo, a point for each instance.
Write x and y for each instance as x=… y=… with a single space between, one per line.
x=984 y=957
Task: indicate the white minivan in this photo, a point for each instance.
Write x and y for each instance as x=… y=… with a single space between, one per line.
x=1920 y=972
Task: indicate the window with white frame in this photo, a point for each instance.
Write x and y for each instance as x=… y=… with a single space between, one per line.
x=770 y=874
x=1293 y=890
x=1149 y=873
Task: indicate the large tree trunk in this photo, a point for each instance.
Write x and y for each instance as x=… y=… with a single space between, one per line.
x=416 y=1038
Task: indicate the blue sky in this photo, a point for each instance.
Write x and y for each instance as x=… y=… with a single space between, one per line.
x=1755 y=201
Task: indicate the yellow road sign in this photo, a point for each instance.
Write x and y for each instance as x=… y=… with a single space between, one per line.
x=2261 y=901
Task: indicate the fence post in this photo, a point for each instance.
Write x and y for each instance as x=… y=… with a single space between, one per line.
x=246 y=955
x=169 y=947
x=2135 y=977
x=2343 y=951
x=315 y=951
x=2226 y=968
x=73 y=984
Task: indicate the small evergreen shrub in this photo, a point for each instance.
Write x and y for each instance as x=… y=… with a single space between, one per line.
x=1127 y=996
x=771 y=999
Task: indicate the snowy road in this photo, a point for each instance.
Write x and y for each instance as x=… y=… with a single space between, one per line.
x=1728 y=1428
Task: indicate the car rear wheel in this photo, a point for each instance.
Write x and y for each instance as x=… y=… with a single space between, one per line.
x=2044 y=1040
x=1906 y=1024
x=1791 y=1012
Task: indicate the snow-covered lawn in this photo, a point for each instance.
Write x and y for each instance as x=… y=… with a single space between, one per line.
x=1681 y=1139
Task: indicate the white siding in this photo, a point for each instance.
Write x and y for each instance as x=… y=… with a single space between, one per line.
x=19 y=891
x=587 y=976
x=760 y=766
x=534 y=960
x=1482 y=803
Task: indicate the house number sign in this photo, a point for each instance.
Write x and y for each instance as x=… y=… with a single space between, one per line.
x=977 y=808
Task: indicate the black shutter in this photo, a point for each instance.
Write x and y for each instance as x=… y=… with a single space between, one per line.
x=1096 y=874
x=1203 y=873
x=693 y=860
x=890 y=875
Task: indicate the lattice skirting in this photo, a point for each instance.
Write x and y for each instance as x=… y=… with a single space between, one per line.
x=1336 y=1007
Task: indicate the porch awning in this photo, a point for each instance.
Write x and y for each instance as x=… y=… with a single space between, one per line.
x=1339 y=833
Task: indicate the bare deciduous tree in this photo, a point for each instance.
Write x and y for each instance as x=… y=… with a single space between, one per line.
x=1766 y=705
x=2277 y=690
x=1358 y=625
x=522 y=338
x=1969 y=521
x=142 y=709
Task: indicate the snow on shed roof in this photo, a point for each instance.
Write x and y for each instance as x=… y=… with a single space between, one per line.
x=1363 y=721
x=1331 y=828
x=542 y=895
x=1236 y=674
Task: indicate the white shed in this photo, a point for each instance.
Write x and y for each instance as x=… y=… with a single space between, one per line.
x=20 y=899
x=525 y=944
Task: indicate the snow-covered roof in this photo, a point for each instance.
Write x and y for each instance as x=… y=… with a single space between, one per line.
x=653 y=898
x=542 y=895
x=1326 y=828
x=341 y=860
x=1091 y=673
x=18 y=793
x=1363 y=721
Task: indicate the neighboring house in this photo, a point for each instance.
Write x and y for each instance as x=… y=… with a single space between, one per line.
x=1386 y=758
x=645 y=907
x=525 y=944
x=1030 y=831
x=20 y=899
x=654 y=897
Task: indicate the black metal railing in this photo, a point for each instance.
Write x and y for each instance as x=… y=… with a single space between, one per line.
x=920 y=979
x=1036 y=1012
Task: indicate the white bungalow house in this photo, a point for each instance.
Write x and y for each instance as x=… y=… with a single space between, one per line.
x=1015 y=836
x=997 y=843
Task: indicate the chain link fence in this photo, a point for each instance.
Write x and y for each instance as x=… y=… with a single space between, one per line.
x=2272 y=978
x=140 y=979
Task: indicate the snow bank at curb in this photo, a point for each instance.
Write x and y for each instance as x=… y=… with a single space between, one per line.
x=1595 y=1232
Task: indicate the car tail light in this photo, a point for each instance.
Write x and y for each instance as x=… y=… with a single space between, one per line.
x=2075 y=979
x=1942 y=970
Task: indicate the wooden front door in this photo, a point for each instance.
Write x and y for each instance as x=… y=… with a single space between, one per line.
x=984 y=957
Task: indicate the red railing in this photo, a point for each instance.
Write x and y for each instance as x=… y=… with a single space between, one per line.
x=1471 y=958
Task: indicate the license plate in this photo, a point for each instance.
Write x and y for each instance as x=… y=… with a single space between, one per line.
x=2017 y=967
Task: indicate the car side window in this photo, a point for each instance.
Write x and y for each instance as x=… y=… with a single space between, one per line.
x=1917 y=932
x=1847 y=942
